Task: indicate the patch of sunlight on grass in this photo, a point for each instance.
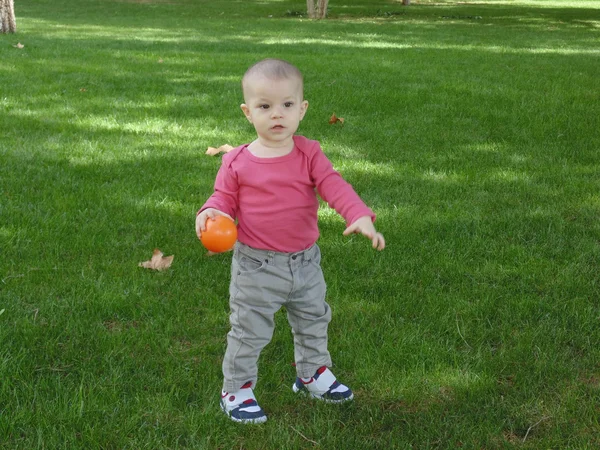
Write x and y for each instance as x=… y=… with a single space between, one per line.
x=327 y=214
x=165 y=204
x=114 y=33
x=340 y=43
x=543 y=3
x=454 y=378
x=486 y=147
x=396 y=210
x=151 y=125
x=516 y=51
x=365 y=167
x=518 y=159
x=6 y=233
x=155 y=126
x=441 y=176
x=537 y=3
x=363 y=308
x=420 y=46
x=541 y=212
x=147 y=2
x=511 y=176
x=561 y=51
x=7 y=68
x=592 y=201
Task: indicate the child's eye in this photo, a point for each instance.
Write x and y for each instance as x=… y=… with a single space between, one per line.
x=264 y=106
x=288 y=104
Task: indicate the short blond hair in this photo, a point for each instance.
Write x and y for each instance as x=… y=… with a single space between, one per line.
x=274 y=69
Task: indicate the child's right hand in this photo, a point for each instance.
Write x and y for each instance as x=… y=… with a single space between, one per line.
x=208 y=213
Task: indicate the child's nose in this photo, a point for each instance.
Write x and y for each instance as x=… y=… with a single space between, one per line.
x=276 y=112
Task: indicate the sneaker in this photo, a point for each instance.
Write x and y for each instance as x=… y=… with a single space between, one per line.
x=324 y=386
x=241 y=406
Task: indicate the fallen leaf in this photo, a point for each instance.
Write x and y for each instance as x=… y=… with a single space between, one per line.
x=19 y=45
x=83 y=90
x=158 y=261
x=215 y=151
x=160 y=61
x=334 y=119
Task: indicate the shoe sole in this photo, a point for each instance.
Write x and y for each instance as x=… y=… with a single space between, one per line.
x=262 y=419
x=318 y=397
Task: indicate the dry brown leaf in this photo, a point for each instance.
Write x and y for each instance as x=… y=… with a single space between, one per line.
x=334 y=119
x=19 y=45
x=160 y=61
x=215 y=151
x=158 y=261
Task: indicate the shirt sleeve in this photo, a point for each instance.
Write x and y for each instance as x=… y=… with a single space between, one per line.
x=336 y=191
x=225 y=195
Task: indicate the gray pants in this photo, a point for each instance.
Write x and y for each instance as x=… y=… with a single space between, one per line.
x=261 y=283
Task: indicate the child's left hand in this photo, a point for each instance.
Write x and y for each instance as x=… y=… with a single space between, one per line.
x=364 y=226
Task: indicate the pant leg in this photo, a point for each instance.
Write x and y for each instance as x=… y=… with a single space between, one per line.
x=254 y=300
x=309 y=314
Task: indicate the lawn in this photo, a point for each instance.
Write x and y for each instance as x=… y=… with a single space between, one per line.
x=471 y=128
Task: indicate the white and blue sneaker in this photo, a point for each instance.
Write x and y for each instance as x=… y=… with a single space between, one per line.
x=241 y=406
x=324 y=386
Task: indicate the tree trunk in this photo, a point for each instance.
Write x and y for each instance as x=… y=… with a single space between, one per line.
x=406 y=2
x=317 y=9
x=322 y=8
x=310 y=8
x=8 y=23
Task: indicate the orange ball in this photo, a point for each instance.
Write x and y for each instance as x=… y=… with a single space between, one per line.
x=220 y=234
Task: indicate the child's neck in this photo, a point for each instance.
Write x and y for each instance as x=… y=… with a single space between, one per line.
x=264 y=150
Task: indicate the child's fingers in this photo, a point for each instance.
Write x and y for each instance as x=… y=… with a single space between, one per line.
x=381 y=242
x=378 y=241
x=199 y=225
x=206 y=215
x=201 y=222
x=375 y=240
x=351 y=229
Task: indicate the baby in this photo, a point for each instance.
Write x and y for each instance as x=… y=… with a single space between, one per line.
x=269 y=187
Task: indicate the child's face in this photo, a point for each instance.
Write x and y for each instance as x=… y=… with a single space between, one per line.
x=275 y=108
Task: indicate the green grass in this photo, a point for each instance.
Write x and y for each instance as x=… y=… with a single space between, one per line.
x=472 y=129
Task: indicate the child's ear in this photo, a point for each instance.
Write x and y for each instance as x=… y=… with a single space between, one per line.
x=246 y=111
x=303 y=108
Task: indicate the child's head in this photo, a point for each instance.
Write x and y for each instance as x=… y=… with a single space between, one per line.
x=274 y=100
x=272 y=69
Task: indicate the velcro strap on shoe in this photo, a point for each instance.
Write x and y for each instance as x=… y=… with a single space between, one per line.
x=323 y=383
x=240 y=397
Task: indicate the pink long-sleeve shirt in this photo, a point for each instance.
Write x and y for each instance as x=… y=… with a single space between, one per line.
x=274 y=199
